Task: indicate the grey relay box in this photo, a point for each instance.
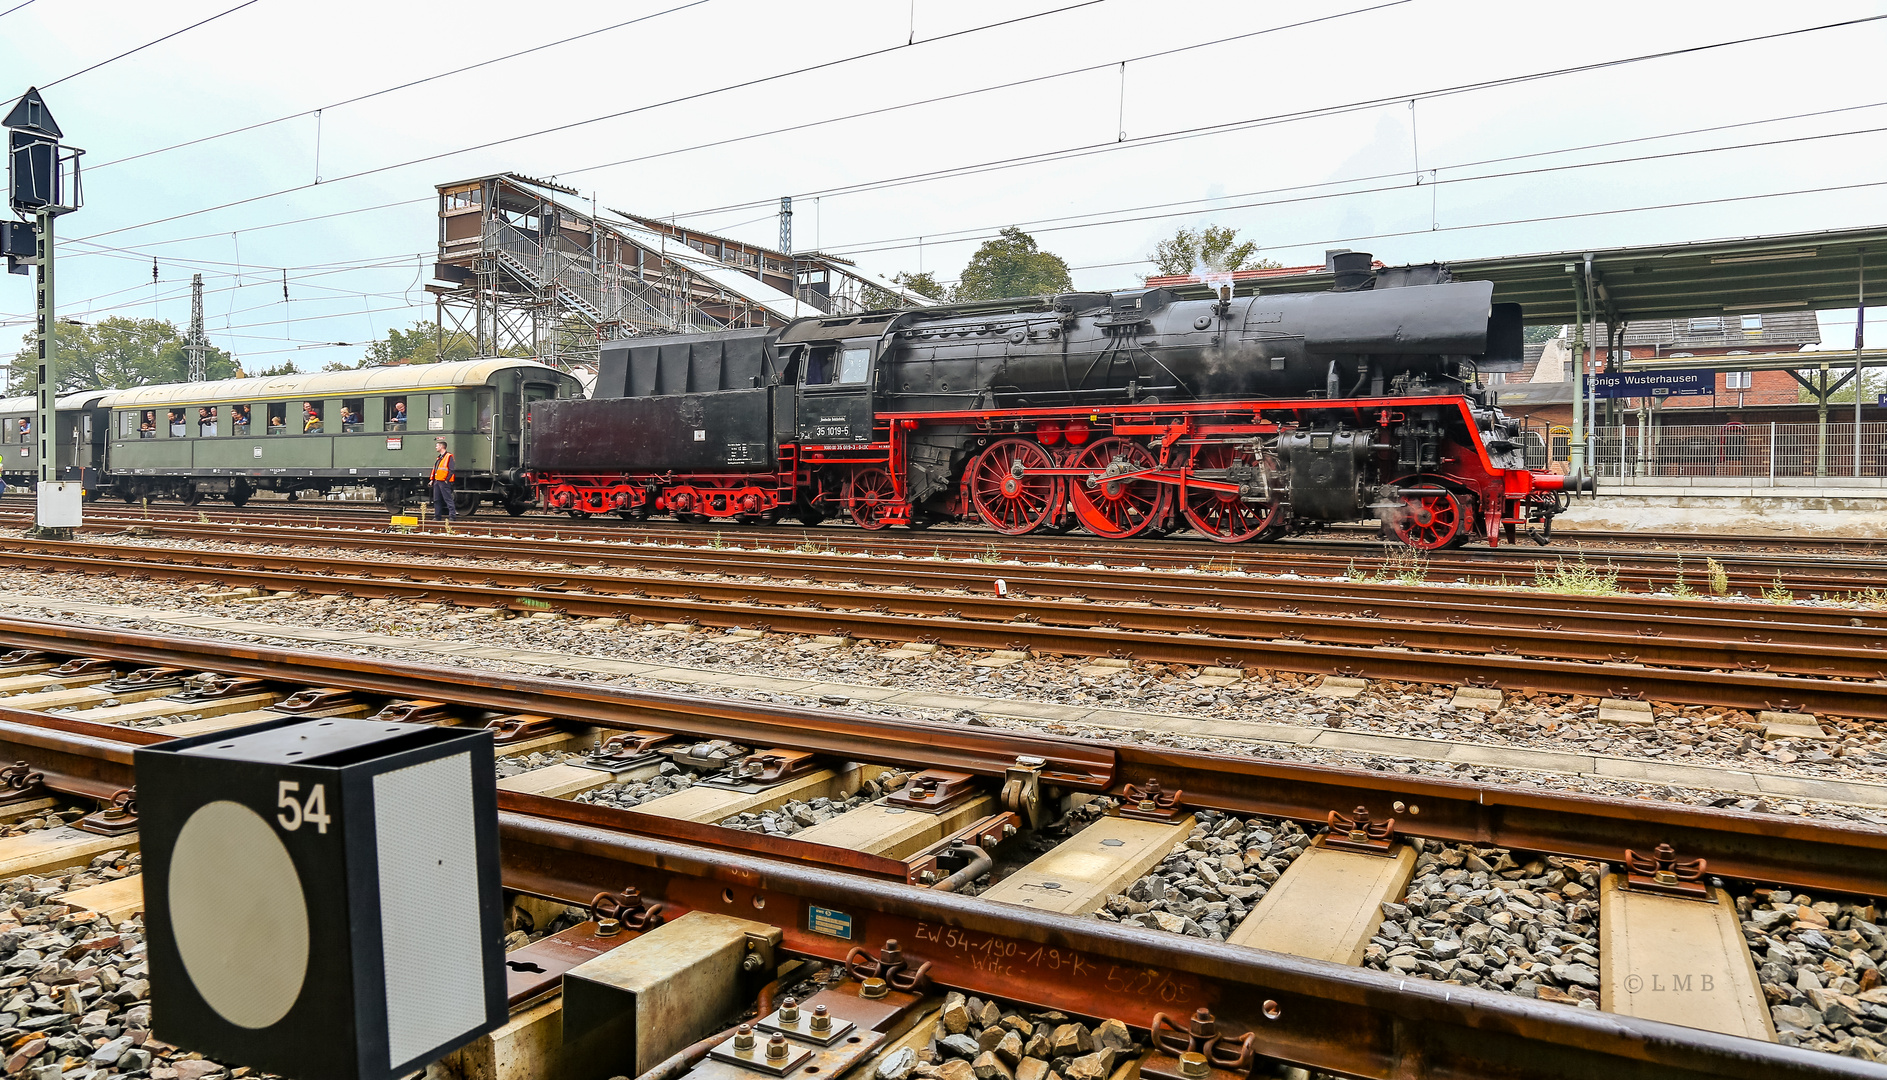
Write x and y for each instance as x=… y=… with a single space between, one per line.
x=322 y=897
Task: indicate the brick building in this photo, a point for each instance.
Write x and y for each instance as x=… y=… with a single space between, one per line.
x=1541 y=391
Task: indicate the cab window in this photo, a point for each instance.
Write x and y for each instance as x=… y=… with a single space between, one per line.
x=278 y=417
x=395 y=418
x=351 y=413
x=819 y=366
x=853 y=364
x=208 y=418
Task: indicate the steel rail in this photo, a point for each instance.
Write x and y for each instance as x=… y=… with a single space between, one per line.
x=1316 y=1014
x=1614 y=677
x=1755 y=847
x=1649 y=569
x=1822 y=651
x=1615 y=613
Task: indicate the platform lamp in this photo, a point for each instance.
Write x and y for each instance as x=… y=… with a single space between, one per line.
x=39 y=190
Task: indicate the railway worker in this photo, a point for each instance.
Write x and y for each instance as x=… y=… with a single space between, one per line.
x=442 y=501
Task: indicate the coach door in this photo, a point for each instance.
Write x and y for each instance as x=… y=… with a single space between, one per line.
x=835 y=402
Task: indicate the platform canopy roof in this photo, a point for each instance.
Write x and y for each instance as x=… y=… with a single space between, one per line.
x=1794 y=271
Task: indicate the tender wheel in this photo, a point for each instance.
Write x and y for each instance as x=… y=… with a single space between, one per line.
x=516 y=509
x=1222 y=515
x=1005 y=498
x=1112 y=506
x=1430 y=522
x=870 y=496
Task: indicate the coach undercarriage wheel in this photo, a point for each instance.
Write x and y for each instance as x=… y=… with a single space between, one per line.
x=466 y=502
x=190 y=496
x=1431 y=521
x=1111 y=503
x=1224 y=515
x=1005 y=496
x=870 y=495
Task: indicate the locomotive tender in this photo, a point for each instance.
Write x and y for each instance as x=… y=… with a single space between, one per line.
x=1129 y=413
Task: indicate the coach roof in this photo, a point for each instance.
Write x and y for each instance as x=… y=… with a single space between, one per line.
x=361 y=381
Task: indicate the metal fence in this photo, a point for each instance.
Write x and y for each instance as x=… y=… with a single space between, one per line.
x=1758 y=452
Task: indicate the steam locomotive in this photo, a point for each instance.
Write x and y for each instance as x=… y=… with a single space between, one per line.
x=1136 y=413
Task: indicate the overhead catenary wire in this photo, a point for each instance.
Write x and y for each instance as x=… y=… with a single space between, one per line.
x=574 y=124
x=146 y=45
x=1054 y=224
x=407 y=85
x=1196 y=132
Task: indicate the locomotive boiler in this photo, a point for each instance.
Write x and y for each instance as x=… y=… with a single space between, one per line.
x=1242 y=417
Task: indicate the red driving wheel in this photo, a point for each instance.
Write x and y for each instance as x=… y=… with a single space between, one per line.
x=1223 y=515
x=1111 y=502
x=1429 y=521
x=870 y=495
x=1006 y=498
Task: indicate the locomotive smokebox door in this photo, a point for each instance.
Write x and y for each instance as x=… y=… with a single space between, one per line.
x=322 y=896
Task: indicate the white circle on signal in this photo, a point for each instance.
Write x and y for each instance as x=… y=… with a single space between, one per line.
x=238 y=914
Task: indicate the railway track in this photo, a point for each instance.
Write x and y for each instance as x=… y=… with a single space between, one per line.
x=1020 y=826
x=1796 y=659
x=1635 y=569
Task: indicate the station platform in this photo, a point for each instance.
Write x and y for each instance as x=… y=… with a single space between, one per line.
x=1847 y=507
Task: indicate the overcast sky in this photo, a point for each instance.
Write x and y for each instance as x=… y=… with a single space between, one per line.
x=1127 y=159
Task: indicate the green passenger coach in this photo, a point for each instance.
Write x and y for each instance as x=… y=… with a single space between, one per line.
x=371 y=427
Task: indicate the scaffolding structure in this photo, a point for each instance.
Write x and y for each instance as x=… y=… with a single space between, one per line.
x=523 y=272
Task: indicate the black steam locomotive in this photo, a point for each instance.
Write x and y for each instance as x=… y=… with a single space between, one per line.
x=1243 y=417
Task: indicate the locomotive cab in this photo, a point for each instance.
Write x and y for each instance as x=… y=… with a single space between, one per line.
x=835 y=390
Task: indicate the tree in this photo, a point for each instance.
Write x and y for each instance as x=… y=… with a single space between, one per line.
x=924 y=284
x=1213 y=250
x=286 y=367
x=1534 y=335
x=1012 y=265
x=422 y=343
x=113 y=354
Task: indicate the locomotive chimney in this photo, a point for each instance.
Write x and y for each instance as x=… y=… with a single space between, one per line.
x=1350 y=268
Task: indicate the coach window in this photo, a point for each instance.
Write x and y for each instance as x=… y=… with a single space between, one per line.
x=147 y=424
x=853 y=365
x=278 y=417
x=484 y=411
x=312 y=414
x=438 y=412
x=25 y=428
x=239 y=421
x=353 y=410
x=175 y=422
x=127 y=425
x=207 y=418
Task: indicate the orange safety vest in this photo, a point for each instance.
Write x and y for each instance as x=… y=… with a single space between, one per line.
x=442 y=469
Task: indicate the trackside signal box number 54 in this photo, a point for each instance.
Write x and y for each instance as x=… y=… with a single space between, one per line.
x=294 y=813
